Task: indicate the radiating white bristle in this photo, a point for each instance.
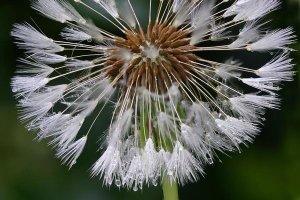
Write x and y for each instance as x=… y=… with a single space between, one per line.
x=126 y=13
x=92 y=30
x=76 y=64
x=197 y=35
x=200 y=113
x=48 y=124
x=75 y=34
x=280 y=67
x=235 y=7
x=109 y=166
x=268 y=85
x=194 y=139
x=150 y=161
x=182 y=16
x=238 y=131
x=255 y=9
x=228 y=70
x=24 y=85
x=35 y=113
x=48 y=94
x=109 y=6
x=245 y=108
x=201 y=16
x=70 y=154
x=278 y=39
x=177 y=5
x=32 y=67
x=58 y=10
x=120 y=127
x=48 y=58
x=182 y=165
x=65 y=135
x=251 y=106
x=166 y=124
x=32 y=40
x=250 y=33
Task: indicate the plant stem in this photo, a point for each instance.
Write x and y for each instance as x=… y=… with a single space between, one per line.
x=170 y=190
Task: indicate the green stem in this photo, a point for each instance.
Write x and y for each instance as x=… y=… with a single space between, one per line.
x=170 y=190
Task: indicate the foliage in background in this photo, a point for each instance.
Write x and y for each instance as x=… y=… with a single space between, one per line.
x=28 y=171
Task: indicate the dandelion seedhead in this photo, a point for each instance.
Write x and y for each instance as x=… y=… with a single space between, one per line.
x=175 y=105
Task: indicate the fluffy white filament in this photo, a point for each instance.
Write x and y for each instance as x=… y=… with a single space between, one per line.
x=32 y=40
x=238 y=131
x=253 y=9
x=182 y=165
x=280 y=67
x=250 y=33
x=24 y=85
x=109 y=6
x=202 y=15
x=277 y=39
x=49 y=58
x=264 y=84
x=58 y=10
x=75 y=34
x=109 y=166
x=70 y=154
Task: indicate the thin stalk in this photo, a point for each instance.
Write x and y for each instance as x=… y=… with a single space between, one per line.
x=170 y=189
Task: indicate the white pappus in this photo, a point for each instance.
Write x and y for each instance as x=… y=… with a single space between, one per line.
x=174 y=106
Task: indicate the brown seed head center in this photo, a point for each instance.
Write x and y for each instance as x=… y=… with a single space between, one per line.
x=153 y=60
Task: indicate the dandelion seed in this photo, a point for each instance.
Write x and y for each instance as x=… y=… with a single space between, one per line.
x=71 y=153
x=49 y=58
x=280 y=67
x=254 y=9
x=32 y=40
x=58 y=10
x=174 y=107
x=278 y=39
x=75 y=34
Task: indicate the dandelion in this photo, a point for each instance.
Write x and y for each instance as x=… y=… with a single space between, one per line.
x=175 y=107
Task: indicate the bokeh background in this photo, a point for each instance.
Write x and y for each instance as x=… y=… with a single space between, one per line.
x=269 y=169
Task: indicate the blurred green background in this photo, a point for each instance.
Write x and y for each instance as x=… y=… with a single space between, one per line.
x=269 y=169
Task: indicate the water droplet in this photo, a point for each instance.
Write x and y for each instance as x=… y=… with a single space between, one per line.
x=154 y=182
x=135 y=188
x=170 y=173
x=109 y=180
x=209 y=159
x=118 y=183
x=141 y=185
x=208 y=137
x=73 y=162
